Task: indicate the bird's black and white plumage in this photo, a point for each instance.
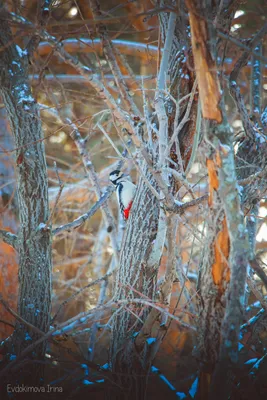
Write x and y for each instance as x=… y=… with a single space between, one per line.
x=125 y=191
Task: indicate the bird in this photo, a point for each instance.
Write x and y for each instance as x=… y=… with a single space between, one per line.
x=125 y=190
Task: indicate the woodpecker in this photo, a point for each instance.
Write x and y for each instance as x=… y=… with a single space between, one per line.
x=125 y=191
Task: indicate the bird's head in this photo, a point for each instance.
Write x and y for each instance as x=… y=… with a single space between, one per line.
x=116 y=176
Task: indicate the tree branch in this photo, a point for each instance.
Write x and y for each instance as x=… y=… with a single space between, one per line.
x=9 y=238
x=259 y=271
x=80 y=220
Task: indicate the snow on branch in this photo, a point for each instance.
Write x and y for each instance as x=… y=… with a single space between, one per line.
x=9 y=238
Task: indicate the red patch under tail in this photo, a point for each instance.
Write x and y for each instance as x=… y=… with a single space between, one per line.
x=126 y=211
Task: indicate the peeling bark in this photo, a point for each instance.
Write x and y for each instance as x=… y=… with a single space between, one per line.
x=205 y=67
x=213 y=283
x=223 y=275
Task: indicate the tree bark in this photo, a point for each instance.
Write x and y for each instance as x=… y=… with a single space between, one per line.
x=222 y=283
x=34 y=240
x=136 y=275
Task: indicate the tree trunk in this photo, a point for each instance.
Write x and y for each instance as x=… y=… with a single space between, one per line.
x=212 y=285
x=223 y=275
x=34 y=242
x=130 y=354
x=136 y=275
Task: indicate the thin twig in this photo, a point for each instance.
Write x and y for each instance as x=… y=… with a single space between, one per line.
x=259 y=271
x=101 y=128
x=23 y=321
x=159 y=99
x=185 y=119
x=61 y=186
x=73 y=296
x=80 y=220
x=257 y=293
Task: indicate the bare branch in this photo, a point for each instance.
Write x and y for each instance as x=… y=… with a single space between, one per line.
x=159 y=99
x=80 y=220
x=61 y=186
x=9 y=238
x=259 y=271
x=259 y=296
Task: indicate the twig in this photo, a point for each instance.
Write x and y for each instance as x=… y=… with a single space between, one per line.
x=241 y=45
x=166 y=285
x=98 y=315
x=257 y=293
x=235 y=90
x=95 y=282
x=46 y=7
x=178 y=128
x=47 y=336
x=95 y=82
x=81 y=319
x=23 y=321
x=61 y=186
x=196 y=140
x=251 y=178
x=80 y=220
x=148 y=159
x=110 y=51
x=75 y=134
x=180 y=208
x=245 y=56
x=110 y=140
x=85 y=316
x=252 y=321
x=182 y=179
x=7 y=323
x=259 y=271
x=247 y=123
x=159 y=100
x=256 y=84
